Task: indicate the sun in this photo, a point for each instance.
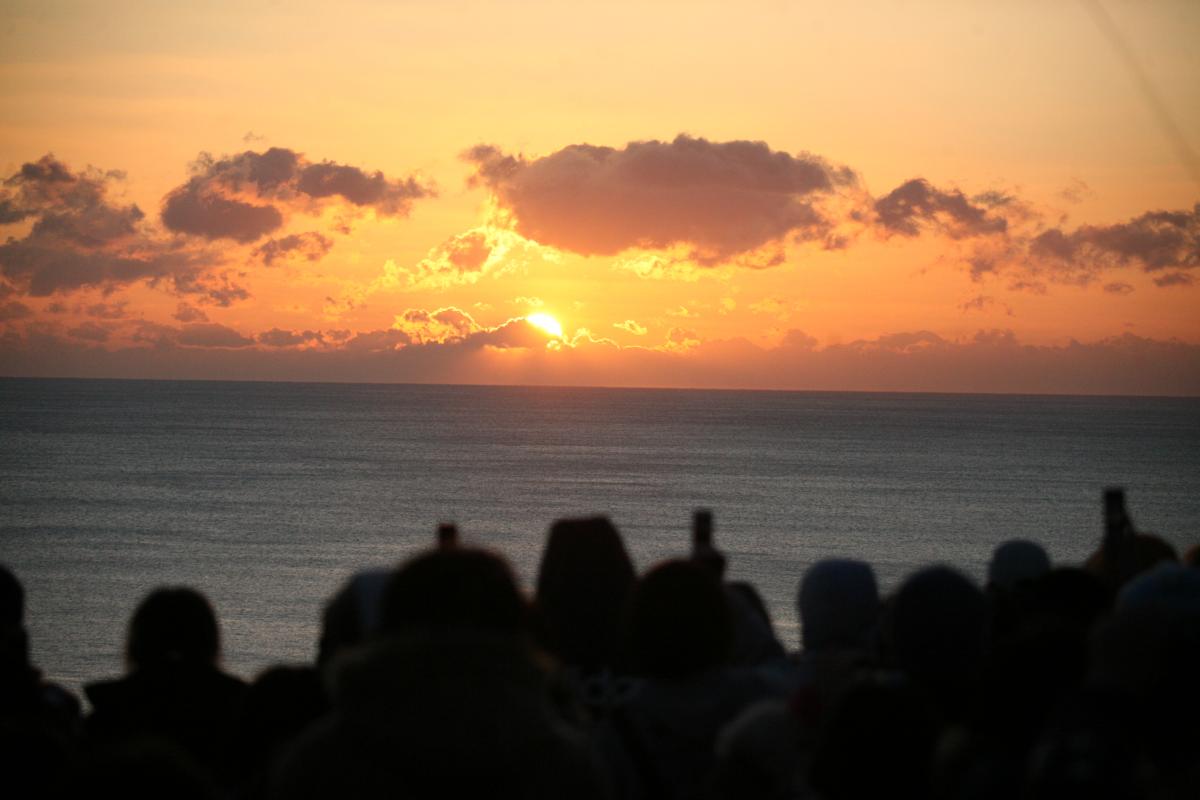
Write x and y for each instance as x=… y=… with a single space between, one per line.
x=546 y=323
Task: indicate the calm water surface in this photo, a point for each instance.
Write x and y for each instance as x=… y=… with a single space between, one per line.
x=267 y=496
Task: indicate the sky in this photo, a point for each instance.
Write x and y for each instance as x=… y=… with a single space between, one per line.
x=875 y=196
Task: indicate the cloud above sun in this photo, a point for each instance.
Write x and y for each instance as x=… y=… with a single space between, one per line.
x=719 y=199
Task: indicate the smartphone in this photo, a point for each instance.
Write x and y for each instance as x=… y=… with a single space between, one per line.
x=1119 y=543
x=1116 y=518
x=703 y=550
x=702 y=530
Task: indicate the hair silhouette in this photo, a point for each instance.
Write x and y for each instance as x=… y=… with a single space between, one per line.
x=838 y=603
x=173 y=624
x=679 y=621
x=583 y=586
x=453 y=589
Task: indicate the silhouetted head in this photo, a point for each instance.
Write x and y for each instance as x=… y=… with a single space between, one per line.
x=938 y=627
x=453 y=589
x=14 y=643
x=353 y=614
x=12 y=600
x=583 y=585
x=1017 y=561
x=173 y=625
x=1144 y=552
x=1169 y=589
x=838 y=603
x=679 y=621
x=1149 y=649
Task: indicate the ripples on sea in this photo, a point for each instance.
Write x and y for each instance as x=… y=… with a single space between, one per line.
x=267 y=496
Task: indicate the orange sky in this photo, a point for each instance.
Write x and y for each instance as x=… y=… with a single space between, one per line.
x=898 y=196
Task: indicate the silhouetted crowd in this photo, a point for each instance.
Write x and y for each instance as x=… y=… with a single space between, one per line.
x=442 y=679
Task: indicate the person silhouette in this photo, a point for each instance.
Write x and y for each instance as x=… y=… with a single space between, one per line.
x=174 y=692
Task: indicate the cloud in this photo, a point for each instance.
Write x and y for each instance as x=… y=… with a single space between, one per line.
x=189 y=209
x=994 y=198
x=1001 y=234
x=379 y=341
x=672 y=266
x=671 y=209
x=1027 y=285
x=440 y=325
x=917 y=205
x=45 y=268
x=630 y=326
x=1118 y=287
x=982 y=303
x=796 y=339
x=453 y=326
x=906 y=343
x=995 y=337
x=466 y=257
x=977 y=304
x=65 y=203
x=461 y=259
x=218 y=290
x=584 y=341
x=211 y=334
x=717 y=199
x=681 y=339
x=1156 y=240
x=277 y=337
x=82 y=237
x=106 y=310
x=247 y=195
x=188 y=313
x=359 y=188
x=1174 y=279
x=192 y=335
x=90 y=331
x=1076 y=192
x=310 y=246
x=13 y=310
x=515 y=333
x=161 y=337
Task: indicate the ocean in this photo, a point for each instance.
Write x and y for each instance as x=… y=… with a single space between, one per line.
x=267 y=496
